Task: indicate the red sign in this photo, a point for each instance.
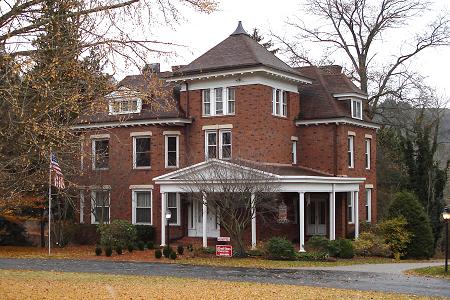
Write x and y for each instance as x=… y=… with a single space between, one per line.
x=223 y=239
x=224 y=250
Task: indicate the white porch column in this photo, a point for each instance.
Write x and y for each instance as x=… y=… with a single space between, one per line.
x=301 y=220
x=356 y=215
x=163 y=219
x=205 y=215
x=253 y=221
x=332 y=214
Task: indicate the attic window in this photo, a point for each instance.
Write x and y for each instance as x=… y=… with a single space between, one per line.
x=356 y=109
x=125 y=106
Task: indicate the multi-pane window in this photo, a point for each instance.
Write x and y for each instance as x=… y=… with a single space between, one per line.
x=100 y=155
x=218 y=94
x=279 y=103
x=172 y=156
x=142 y=207
x=218 y=144
x=125 y=106
x=142 y=152
x=206 y=95
x=367 y=154
x=231 y=100
x=357 y=109
x=368 y=205
x=350 y=205
x=100 y=206
x=294 y=152
x=173 y=204
x=351 y=151
x=218 y=101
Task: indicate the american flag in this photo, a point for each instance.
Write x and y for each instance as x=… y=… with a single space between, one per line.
x=58 y=180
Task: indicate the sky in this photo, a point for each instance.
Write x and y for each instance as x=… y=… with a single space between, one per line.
x=200 y=32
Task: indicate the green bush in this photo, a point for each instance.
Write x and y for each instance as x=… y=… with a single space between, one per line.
x=150 y=245
x=341 y=248
x=130 y=248
x=190 y=247
x=312 y=256
x=145 y=233
x=396 y=235
x=98 y=250
x=173 y=255
x=180 y=249
x=278 y=248
x=158 y=253
x=141 y=245
x=370 y=244
x=118 y=233
x=108 y=251
x=166 y=251
x=119 y=249
x=407 y=205
x=317 y=243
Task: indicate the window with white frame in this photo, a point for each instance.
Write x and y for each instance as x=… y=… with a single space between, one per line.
x=218 y=144
x=172 y=151
x=368 y=205
x=100 y=206
x=367 y=154
x=141 y=152
x=351 y=151
x=173 y=204
x=142 y=206
x=125 y=106
x=356 y=109
x=206 y=99
x=218 y=94
x=218 y=101
x=294 y=152
x=279 y=103
x=100 y=154
x=231 y=106
x=350 y=207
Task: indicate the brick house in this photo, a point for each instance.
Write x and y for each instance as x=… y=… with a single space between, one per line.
x=237 y=100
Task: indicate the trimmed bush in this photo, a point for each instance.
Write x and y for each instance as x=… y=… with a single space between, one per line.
x=312 y=256
x=141 y=245
x=317 y=243
x=119 y=249
x=118 y=233
x=130 y=248
x=370 y=244
x=190 y=247
x=278 y=248
x=180 y=249
x=173 y=255
x=396 y=235
x=108 y=251
x=166 y=251
x=98 y=250
x=341 y=248
x=145 y=233
x=158 y=254
x=407 y=205
x=150 y=245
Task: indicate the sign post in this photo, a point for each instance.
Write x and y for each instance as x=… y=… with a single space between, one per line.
x=223 y=250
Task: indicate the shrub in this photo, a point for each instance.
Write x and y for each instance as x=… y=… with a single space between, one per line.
x=85 y=234
x=12 y=233
x=141 y=245
x=370 y=244
x=150 y=245
x=317 y=243
x=190 y=247
x=119 y=249
x=98 y=250
x=166 y=251
x=158 y=253
x=407 y=205
x=180 y=249
x=108 y=251
x=341 y=248
x=278 y=248
x=118 y=233
x=130 y=247
x=395 y=235
x=145 y=233
x=312 y=256
x=173 y=255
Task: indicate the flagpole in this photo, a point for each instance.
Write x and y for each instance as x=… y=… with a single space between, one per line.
x=49 y=201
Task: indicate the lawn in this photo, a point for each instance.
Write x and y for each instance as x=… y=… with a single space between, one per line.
x=430 y=272
x=87 y=252
x=55 y=285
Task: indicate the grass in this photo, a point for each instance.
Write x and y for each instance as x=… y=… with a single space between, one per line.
x=430 y=272
x=87 y=253
x=56 y=285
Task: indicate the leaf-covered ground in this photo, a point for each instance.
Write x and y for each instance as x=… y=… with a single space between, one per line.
x=87 y=253
x=438 y=272
x=54 y=285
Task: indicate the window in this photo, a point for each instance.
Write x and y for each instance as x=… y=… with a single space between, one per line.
x=173 y=204
x=294 y=152
x=125 y=106
x=231 y=100
x=142 y=207
x=100 y=206
x=172 y=145
x=141 y=155
x=100 y=149
x=218 y=93
x=279 y=103
x=367 y=144
x=350 y=210
x=350 y=151
x=357 y=109
x=218 y=139
x=368 y=205
x=206 y=102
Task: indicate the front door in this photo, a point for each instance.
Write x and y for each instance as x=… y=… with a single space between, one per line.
x=316 y=216
x=195 y=220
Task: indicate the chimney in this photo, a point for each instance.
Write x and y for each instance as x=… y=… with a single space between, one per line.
x=331 y=69
x=151 y=68
x=177 y=67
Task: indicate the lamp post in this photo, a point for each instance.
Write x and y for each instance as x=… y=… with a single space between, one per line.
x=168 y=217
x=446 y=217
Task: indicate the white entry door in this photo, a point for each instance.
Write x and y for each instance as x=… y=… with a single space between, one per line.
x=316 y=216
x=195 y=220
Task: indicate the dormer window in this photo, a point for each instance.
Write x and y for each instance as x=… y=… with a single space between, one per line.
x=125 y=106
x=356 y=109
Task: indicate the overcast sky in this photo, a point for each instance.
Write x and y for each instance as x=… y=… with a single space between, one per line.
x=199 y=33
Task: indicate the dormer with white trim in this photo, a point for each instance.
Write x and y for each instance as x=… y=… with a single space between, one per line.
x=356 y=103
x=124 y=101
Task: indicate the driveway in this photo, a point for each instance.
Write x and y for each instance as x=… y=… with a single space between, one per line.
x=334 y=278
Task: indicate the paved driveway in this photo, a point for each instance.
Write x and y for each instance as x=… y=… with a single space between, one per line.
x=346 y=279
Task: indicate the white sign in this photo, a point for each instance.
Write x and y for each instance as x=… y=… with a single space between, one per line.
x=223 y=239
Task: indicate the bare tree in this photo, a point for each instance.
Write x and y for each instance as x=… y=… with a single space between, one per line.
x=228 y=188
x=357 y=29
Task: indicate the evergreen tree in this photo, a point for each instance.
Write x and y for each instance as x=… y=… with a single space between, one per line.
x=259 y=38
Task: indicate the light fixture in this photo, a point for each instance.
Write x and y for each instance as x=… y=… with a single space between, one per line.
x=168 y=215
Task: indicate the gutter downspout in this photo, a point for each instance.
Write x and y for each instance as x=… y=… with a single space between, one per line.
x=186 y=128
x=335 y=141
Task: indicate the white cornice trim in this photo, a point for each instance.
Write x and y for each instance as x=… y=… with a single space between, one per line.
x=338 y=121
x=175 y=122
x=347 y=96
x=270 y=71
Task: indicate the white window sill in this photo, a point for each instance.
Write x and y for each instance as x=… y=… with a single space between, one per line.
x=142 y=168
x=351 y=167
x=172 y=167
x=100 y=169
x=148 y=224
x=174 y=225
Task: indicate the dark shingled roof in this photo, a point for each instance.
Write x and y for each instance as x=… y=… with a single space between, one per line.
x=238 y=50
x=316 y=99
